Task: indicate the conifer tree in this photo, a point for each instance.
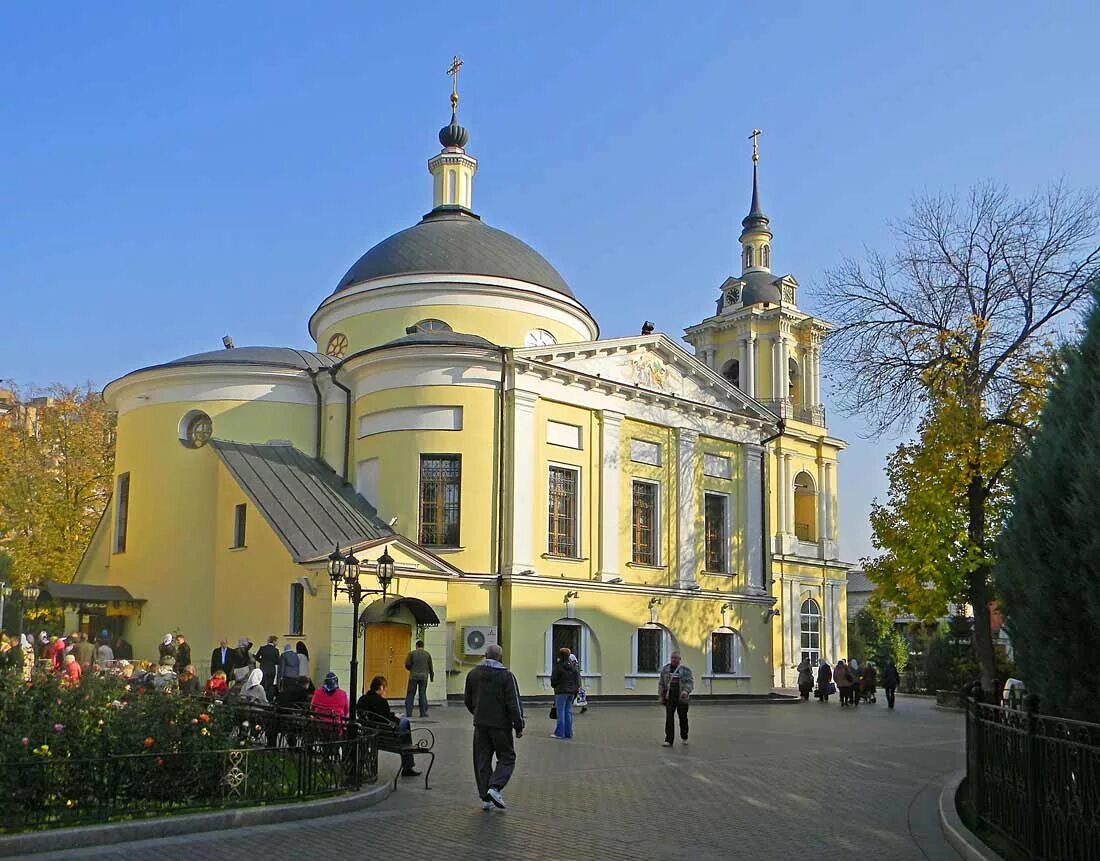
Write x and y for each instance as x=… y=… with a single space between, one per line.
x=1048 y=567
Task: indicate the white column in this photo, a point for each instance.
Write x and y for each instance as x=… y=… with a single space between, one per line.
x=775 y=366
x=830 y=510
x=822 y=507
x=814 y=377
x=743 y=366
x=788 y=494
x=834 y=636
x=687 y=503
x=610 y=493
x=750 y=367
x=784 y=355
x=780 y=497
x=524 y=482
x=754 y=525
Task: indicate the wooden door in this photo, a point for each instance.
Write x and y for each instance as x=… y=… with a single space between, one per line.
x=384 y=649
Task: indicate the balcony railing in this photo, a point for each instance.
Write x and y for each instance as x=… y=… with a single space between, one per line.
x=788 y=409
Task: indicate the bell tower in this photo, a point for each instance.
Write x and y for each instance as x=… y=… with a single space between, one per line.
x=758 y=339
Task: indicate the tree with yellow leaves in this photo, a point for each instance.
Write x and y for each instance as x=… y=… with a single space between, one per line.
x=953 y=332
x=56 y=457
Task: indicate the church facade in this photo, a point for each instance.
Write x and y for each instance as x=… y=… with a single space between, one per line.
x=535 y=484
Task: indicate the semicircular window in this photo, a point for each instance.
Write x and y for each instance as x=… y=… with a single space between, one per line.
x=433 y=325
x=337 y=346
x=195 y=429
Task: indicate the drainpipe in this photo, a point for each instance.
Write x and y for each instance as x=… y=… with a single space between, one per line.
x=781 y=427
x=501 y=436
x=320 y=409
x=347 y=424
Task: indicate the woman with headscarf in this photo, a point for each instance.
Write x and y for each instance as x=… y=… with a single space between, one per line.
x=805 y=679
x=27 y=647
x=252 y=691
x=824 y=680
x=167 y=648
x=843 y=678
x=330 y=703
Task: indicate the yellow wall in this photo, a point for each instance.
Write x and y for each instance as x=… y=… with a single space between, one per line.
x=398 y=454
x=507 y=328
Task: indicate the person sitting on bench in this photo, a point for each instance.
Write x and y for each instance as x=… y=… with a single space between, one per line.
x=374 y=702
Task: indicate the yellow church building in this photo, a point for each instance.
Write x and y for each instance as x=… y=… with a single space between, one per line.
x=536 y=485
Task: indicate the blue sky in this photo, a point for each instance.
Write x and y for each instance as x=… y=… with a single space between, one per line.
x=171 y=173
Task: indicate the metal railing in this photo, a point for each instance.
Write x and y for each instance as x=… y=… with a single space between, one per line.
x=1033 y=779
x=292 y=758
x=788 y=409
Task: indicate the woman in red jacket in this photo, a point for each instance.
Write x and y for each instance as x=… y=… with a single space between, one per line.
x=330 y=703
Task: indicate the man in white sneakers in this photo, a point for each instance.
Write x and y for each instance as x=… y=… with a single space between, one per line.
x=492 y=697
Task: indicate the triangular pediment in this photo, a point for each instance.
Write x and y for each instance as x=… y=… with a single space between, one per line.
x=650 y=363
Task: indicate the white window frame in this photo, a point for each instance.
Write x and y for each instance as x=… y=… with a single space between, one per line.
x=802 y=616
x=658 y=533
x=738 y=655
x=578 y=533
x=585 y=660
x=728 y=529
x=668 y=646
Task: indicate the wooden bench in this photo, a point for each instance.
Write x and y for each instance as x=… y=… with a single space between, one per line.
x=389 y=739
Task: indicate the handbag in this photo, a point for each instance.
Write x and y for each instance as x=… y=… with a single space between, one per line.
x=832 y=688
x=553 y=712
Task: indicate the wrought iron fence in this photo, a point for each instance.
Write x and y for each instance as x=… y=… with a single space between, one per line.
x=1034 y=779
x=303 y=758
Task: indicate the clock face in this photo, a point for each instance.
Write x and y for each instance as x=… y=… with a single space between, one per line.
x=733 y=295
x=199 y=430
x=539 y=338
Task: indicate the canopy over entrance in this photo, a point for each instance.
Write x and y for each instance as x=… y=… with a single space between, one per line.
x=78 y=594
x=385 y=611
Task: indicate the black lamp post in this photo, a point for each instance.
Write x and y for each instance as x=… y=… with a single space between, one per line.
x=30 y=593
x=344 y=573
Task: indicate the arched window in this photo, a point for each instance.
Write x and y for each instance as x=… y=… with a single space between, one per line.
x=576 y=636
x=805 y=507
x=452 y=187
x=811 y=630
x=724 y=653
x=650 y=648
x=732 y=372
x=432 y=325
x=766 y=256
x=748 y=256
x=794 y=381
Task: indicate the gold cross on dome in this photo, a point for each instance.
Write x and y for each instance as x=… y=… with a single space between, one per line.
x=754 y=137
x=456 y=64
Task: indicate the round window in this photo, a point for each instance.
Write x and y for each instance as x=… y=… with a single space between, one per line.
x=196 y=428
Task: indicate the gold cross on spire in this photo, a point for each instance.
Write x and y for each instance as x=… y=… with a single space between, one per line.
x=456 y=64
x=754 y=137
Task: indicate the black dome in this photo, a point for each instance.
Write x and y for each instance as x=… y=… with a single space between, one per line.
x=760 y=287
x=452 y=240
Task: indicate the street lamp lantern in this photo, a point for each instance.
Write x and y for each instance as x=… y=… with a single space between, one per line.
x=31 y=592
x=351 y=569
x=385 y=571
x=335 y=569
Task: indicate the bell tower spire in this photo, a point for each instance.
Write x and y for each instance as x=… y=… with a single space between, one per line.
x=756 y=236
x=453 y=169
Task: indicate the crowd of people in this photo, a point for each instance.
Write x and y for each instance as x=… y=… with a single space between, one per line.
x=851 y=681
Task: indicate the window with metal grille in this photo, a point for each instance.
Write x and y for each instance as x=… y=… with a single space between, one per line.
x=122 y=511
x=240 y=515
x=645 y=523
x=723 y=653
x=297 y=608
x=440 y=499
x=650 y=647
x=811 y=630
x=562 y=528
x=567 y=636
x=715 y=537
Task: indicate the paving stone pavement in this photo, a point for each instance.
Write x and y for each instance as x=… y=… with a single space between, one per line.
x=756 y=781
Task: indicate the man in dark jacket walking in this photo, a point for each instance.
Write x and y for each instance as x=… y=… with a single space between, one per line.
x=890 y=681
x=492 y=697
x=267 y=656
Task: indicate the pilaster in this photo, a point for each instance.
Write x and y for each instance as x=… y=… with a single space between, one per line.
x=610 y=493
x=522 y=556
x=754 y=524
x=688 y=503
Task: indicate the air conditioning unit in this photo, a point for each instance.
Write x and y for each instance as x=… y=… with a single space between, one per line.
x=476 y=638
